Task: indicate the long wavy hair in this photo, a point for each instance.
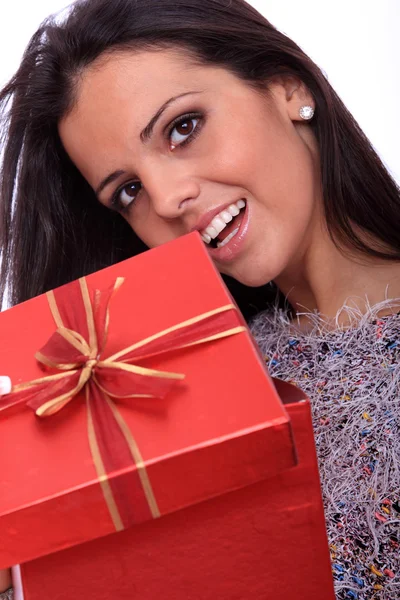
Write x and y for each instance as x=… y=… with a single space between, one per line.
x=52 y=228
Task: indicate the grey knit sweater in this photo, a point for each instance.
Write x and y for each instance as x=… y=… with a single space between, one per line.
x=352 y=378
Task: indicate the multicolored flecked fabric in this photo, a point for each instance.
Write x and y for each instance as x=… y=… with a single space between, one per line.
x=352 y=378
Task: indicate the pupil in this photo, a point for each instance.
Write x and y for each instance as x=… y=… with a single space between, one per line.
x=132 y=189
x=185 y=127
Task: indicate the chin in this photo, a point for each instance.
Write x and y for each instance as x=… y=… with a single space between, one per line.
x=251 y=278
x=253 y=282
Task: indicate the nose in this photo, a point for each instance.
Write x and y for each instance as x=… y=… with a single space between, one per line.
x=171 y=191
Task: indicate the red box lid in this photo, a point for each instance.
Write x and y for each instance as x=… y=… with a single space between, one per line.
x=221 y=428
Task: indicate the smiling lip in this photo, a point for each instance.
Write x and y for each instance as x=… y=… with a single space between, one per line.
x=229 y=251
x=206 y=219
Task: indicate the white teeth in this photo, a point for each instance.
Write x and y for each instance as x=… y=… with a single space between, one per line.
x=228 y=238
x=233 y=209
x=211 y=231
x=226 y=216
x=220 y=221
x=218 y=224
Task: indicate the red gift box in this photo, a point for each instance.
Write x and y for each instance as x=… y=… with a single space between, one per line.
x=108 y=460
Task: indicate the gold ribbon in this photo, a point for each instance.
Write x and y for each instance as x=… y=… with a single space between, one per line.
x=81 y=363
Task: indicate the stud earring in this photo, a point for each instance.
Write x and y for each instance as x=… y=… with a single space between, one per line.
x=306 y=112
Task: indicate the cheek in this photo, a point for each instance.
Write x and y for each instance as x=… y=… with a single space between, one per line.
x=256 y=154
x=284 y=176
x=148 y=226
x=236 y=153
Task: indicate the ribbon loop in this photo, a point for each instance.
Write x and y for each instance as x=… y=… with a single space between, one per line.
x=75 y=352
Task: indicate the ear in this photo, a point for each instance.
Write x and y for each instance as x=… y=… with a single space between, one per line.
x=292 y=94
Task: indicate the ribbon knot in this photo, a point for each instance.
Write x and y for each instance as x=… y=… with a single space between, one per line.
x=88 y=370
x=91 y=363
x=76 y=351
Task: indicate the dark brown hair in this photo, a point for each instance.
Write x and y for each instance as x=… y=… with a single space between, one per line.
x=52 y=227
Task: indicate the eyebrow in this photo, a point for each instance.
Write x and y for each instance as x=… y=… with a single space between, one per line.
x=148 y=130
x=107 y=180
x=145 y=135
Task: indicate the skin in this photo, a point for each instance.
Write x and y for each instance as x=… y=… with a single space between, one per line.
x=250 y=145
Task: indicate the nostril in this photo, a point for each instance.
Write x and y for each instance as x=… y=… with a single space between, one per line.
x=185 y=202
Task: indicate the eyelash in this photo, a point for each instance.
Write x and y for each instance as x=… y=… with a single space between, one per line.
x=181 y=119
x=115 y=201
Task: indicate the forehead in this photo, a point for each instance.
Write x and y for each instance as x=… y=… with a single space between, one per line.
x=114 y=75
x=120 y=92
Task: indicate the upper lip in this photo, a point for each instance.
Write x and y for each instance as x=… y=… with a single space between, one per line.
x=206 y=219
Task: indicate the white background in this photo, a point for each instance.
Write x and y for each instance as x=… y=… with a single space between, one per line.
x=355 y=42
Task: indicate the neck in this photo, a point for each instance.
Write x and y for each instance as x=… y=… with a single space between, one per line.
x=327 y=279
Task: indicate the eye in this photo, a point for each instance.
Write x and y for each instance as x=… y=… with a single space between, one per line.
x=184 y=129
x=125 y=195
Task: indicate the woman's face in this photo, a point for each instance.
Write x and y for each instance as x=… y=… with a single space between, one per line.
x=176 y=147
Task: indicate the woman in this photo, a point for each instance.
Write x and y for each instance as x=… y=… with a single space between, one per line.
x=131 y=124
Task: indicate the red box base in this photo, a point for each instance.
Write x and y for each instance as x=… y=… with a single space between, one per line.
x=266 y=541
